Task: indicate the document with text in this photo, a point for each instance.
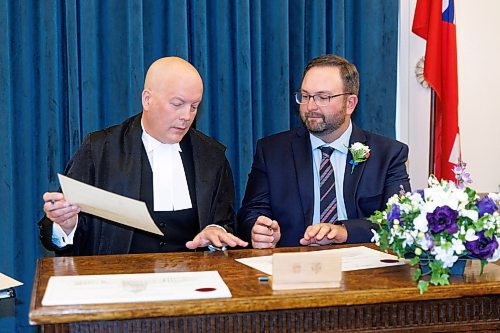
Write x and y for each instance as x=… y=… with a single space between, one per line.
x=127 y=288
x=353 y=258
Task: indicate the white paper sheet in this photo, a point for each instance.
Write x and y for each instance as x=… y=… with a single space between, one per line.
x=111 y=206
x=353 y=258
x=8 y=282
x=126 y=288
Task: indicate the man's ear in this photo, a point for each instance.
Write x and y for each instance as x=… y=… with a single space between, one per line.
x=352 y=101
x=146 y=99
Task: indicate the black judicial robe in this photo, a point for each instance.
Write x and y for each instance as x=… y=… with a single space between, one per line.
x=113 y=159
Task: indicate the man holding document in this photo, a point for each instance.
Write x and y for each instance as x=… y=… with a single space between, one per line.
x=182 y=175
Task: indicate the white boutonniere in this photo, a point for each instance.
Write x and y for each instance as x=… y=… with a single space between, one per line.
x=359 y=152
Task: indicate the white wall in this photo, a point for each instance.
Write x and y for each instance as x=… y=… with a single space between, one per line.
x=478 y=44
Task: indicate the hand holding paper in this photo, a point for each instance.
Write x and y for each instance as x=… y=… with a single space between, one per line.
x=110 y=206
x=60 y=211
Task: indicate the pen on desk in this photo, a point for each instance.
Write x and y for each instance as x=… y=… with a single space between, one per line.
x=263 y=278
x=212 y=248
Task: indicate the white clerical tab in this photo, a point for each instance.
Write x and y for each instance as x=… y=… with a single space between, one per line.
x=170 y=189
x=306 y=270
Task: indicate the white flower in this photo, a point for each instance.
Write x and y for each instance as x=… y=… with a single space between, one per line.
x=470 y=235
x=406 y=208
x=490 y=222
x=432 y=181
x=494 y=196
x=439 y=197
x=375 y=238
x=360 y=146
x=359 y=152
x=409 y=238
x=420 y=222
x=416 y=199
x=447 y=257
x=424 y=242
x=394 y=200
x=457 y=246
x=472 y=214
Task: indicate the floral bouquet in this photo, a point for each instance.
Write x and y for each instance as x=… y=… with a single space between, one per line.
x=439 y=225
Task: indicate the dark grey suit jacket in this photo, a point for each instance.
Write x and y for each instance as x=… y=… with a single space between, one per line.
x=281 y=186
x=111 y=159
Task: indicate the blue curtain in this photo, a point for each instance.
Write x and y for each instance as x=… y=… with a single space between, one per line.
x=68 y=67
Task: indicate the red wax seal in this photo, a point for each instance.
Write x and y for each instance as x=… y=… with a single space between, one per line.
x=389 y=261
x=204 y=290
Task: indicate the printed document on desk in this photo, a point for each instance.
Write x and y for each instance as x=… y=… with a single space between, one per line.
x=108 y=205
x=353 y=258
x=127 y=288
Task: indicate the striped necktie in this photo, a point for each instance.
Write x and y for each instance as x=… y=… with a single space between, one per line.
x=328 y=199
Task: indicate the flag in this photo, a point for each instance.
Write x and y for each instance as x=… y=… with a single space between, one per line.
x=434 y=21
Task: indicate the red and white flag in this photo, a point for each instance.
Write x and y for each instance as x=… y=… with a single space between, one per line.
x=434 y=21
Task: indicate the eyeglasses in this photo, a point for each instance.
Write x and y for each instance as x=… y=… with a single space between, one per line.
x=320 y=100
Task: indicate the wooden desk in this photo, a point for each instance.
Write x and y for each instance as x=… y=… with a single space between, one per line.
x=383 y=299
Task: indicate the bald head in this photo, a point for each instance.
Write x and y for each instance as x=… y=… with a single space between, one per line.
x=165 y=70
x=173 y=89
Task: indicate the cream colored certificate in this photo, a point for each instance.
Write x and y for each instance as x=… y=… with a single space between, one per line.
x=353 y=258
x=126 y=288
x=108 y=205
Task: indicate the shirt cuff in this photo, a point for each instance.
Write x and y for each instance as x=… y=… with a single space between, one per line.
x=59 y=237
x=216 y=225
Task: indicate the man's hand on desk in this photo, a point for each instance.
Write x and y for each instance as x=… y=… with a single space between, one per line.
x=60 y=211
x=324 y=234
x=265 y=233
x=216 y=236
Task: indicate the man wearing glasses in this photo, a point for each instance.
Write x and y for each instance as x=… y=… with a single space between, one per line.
x=316 y=184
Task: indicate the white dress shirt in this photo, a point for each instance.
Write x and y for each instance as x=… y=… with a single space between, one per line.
x=338 y=160
x=170 y=189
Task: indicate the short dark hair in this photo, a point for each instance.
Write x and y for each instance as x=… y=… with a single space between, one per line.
x=348 y=72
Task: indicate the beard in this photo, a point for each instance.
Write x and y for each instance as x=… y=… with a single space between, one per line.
x=318 y=123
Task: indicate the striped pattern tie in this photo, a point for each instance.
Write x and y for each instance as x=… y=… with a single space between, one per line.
x=328 y=199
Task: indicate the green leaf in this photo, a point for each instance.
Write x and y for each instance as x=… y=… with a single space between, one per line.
x=440 y=279
x=423 y=286
x=483 y=263
x=489 y=233
x=415 y=260
x=417 y=274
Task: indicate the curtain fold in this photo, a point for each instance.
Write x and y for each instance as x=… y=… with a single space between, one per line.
x=71 y=67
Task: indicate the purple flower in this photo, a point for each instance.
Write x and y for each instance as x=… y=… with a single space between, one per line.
x=458 y=168
x=483 y=247
x=430 y=241
x=394 y=213
x=443 y=218
x=421 y=193
x=486 y=205
x=463 y=178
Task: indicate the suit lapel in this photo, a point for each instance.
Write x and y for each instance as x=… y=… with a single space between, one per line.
x=202 y=174
x=133 y=148
x=301 y=147
x=352 y=177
